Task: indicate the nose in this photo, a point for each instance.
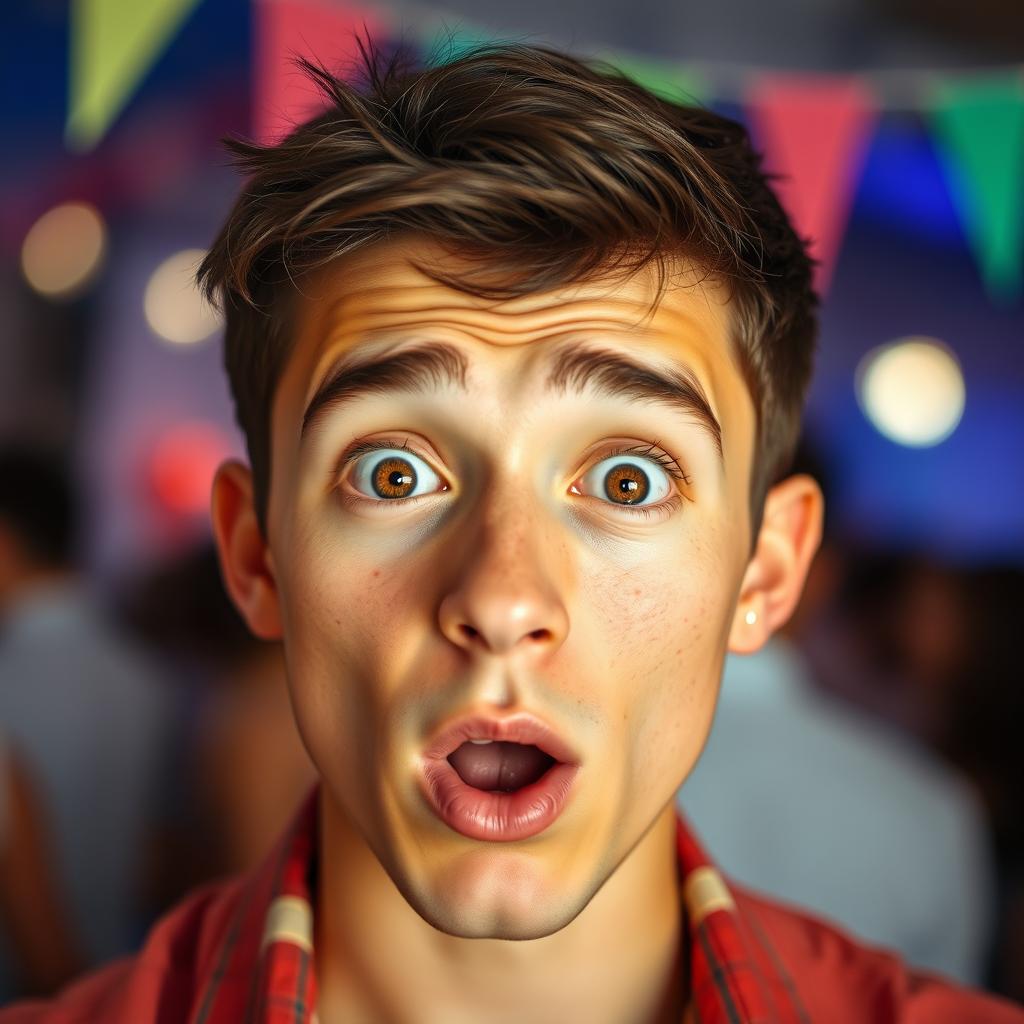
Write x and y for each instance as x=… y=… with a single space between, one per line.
x=504 y=597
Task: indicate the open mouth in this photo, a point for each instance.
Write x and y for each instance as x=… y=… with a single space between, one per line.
x=497 y=766
x=498 y=779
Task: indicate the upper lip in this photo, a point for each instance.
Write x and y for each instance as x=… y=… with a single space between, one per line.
x=521 y=727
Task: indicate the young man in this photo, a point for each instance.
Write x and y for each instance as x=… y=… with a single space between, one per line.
x=519 y=351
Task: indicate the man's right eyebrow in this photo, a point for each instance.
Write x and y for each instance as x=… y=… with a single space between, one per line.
x=420 y=368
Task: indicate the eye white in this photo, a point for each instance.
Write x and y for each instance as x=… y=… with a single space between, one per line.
x=365 y=467
x=659 y=482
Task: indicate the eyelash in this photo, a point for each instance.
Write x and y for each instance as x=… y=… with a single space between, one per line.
x=649 y=451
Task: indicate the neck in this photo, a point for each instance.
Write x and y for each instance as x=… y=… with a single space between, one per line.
x=620 y=960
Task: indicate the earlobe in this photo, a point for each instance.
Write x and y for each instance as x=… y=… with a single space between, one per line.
x=789 y=536
x=244 y=554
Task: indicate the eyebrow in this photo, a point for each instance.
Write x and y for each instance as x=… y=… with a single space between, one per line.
x=578 y=367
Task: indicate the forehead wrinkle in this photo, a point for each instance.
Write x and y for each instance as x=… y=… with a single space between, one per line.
x=391 y=311
x=546 y=310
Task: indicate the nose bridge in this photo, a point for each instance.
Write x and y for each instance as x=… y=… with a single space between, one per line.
x=506 y=593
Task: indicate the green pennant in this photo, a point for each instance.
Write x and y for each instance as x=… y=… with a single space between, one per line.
x=666 y=79
x=451 y=42
x=113 y=44
x=979 y=126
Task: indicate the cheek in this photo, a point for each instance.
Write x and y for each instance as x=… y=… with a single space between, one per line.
x=346 y=615
x=664 y=642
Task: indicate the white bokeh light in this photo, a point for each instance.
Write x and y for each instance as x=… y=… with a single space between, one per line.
x=64 y=250
x=175 y=308
x=912 y=391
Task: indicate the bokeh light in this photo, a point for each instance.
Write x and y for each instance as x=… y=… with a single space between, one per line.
x=183 y=463
x=63 y=251
x=175 y=308
x=912 y=391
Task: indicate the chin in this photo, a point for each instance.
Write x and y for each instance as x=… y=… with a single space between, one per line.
x=484 y=895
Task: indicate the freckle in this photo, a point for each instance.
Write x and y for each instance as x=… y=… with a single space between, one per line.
x=636 y=593
x=376 y=572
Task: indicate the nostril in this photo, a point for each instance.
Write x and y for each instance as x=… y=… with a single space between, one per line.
x=469 y=632
x=539 y=634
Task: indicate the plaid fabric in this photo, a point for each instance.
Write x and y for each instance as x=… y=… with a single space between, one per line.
x=734 y=975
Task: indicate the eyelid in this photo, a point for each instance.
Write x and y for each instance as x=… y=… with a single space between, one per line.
x=364 y=446
x=653 y=452
x=650 y=451
x=355 y=451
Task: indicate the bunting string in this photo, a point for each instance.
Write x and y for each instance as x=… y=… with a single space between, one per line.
x=814 y=128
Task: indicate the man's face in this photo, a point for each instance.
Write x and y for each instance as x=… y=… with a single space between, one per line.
x=534 y=552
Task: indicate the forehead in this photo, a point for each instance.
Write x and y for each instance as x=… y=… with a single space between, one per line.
x=380 y=297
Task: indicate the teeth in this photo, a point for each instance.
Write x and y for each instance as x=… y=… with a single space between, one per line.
x=481 y=743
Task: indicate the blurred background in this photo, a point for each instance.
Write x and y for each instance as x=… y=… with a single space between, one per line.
x=867 y=764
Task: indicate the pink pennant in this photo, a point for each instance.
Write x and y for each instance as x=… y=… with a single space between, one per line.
x=814 y=131
x=323 y=30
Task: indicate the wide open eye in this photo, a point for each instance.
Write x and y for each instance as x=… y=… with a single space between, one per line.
x=627 y=480
x=393 y=473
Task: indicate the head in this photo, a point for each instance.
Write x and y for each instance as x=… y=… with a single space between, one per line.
x=38 y=517
x=519 y=351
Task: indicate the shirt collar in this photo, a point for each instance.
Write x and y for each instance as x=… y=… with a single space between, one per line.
x=734 y=975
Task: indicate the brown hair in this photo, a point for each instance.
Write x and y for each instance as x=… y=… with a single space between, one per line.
x=542 y=170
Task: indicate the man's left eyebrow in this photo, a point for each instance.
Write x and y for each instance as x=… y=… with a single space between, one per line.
x=615 y=375
x=420 y=368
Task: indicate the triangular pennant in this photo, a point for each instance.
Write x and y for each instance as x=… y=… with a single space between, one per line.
x=113 y=44
x=328 y=33
x=979 y=126
x=450 y=42
x=668 y=80
x=814 y=131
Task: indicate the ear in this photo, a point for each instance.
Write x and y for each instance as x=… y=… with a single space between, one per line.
x=245 y=559
x=789 y=536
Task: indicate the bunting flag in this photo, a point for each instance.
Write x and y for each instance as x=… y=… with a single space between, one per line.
x=814 y=132
x=113 y=44
x=328 y=33
x=453 y=41
x=663 y=78
x=979 y=129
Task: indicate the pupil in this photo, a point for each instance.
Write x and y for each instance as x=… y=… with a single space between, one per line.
x=396 y=479
x=628 y=485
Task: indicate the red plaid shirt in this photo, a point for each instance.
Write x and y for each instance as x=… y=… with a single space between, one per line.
x=242 y=953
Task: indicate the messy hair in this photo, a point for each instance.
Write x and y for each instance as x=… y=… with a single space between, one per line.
x=538 y=170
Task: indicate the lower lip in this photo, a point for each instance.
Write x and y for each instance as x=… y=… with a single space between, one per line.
x=495 y=816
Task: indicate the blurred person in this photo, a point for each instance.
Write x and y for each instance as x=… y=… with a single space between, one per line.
x=241 y=769
x=932 y=650
x=982 y=738
x=34 y=921
x=896 y=641
x=893 y=843
x=249 y=757
x=82 y=705
x=520 y=351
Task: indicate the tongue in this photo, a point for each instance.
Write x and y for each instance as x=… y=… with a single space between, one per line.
x=499 y=766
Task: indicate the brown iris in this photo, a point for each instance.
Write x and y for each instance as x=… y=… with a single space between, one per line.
x=626 y=484
x=394 y=478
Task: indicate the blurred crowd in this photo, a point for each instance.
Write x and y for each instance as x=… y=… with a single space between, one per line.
x=865 y=764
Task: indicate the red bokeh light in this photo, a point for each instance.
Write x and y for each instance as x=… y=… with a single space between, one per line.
x=182 y=466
